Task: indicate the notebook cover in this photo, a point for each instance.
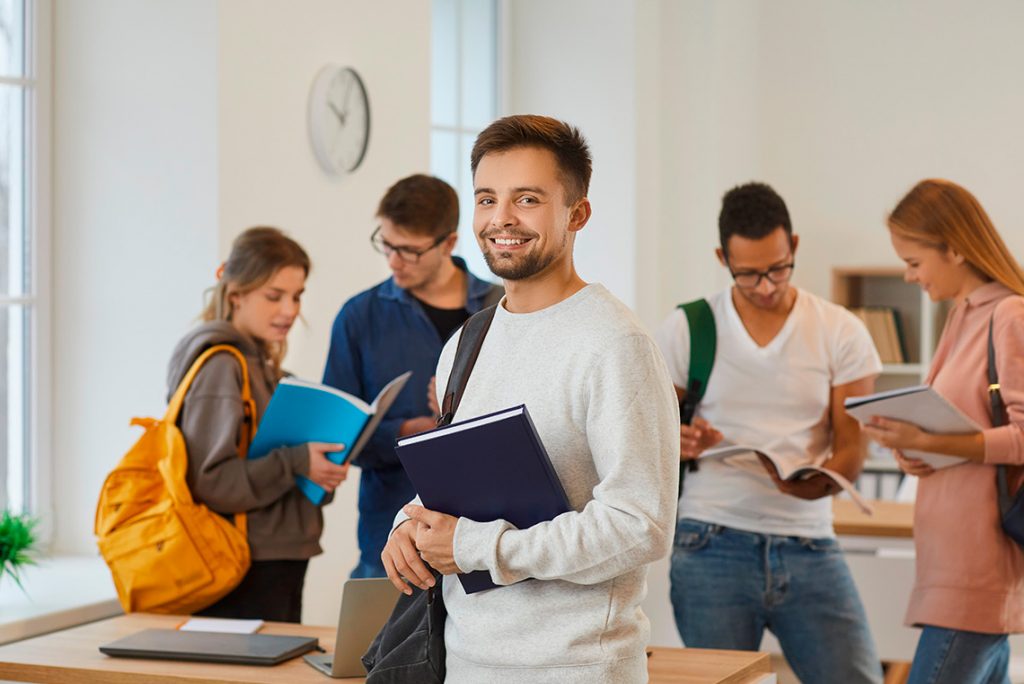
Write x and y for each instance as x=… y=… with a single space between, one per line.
x=485 y=471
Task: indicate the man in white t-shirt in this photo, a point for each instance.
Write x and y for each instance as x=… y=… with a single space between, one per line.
x=753 y=551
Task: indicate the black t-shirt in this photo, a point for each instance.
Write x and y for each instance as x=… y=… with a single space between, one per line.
x=446 y=321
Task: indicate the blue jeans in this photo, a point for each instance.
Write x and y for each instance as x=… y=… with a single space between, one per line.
x=728 y=586
x=950 y=656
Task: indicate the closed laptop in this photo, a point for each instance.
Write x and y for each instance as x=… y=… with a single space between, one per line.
x=209 y=647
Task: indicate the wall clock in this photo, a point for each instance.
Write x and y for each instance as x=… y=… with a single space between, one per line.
x=339 y=119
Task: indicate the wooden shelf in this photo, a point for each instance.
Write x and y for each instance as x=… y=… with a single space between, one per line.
x=891 y=519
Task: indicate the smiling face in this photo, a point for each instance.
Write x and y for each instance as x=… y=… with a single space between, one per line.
x=521 y=220
x=268 y=312
x=937 y=270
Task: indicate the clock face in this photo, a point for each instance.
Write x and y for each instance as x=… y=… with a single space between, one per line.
x=339 y=119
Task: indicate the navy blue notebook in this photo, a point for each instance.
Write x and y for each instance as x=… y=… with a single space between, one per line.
x=487 y=468
x=301 y=411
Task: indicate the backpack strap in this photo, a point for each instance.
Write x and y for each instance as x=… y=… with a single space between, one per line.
x=999 y=419
x=175 y=472
x=703 y=340
x=470 y=340
x=493 y=296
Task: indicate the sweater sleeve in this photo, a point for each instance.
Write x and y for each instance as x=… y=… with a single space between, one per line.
x=632 y=431
x=211 y=423
x=1005 y=444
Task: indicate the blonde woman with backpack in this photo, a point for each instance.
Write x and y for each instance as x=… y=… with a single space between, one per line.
x=969 y=591
x=255 y=303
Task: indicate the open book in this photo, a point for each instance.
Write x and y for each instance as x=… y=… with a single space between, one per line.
x=745 y=457
x=922 y=406
x=302 y=411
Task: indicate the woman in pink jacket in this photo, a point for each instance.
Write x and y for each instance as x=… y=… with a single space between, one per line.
x=969 y=591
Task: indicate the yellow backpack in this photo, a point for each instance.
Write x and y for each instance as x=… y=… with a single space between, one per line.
x=167 y=553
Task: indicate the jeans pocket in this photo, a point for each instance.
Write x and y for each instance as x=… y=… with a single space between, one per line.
x=821 y=545
x=692 y=535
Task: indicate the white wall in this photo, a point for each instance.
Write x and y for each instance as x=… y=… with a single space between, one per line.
x=179 y=124
x=575 y=60
x=269 y=52
x=842 y=107
x=134 y=224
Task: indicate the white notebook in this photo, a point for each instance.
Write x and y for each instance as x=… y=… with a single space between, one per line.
x=922 y=406
x=221 y=625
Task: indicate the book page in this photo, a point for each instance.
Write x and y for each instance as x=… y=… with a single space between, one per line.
x=745 y=457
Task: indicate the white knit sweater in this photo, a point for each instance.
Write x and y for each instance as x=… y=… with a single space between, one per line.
x=600 y=396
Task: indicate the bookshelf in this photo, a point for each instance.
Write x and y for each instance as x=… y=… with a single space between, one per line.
x=920 y=321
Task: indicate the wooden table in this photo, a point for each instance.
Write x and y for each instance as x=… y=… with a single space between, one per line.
x=71 y=657
x=891 y=519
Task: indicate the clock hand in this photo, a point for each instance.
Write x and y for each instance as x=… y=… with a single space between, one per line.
x=340 y=115
x=344 y=98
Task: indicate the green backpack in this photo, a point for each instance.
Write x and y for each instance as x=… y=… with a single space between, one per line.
x=703 y=341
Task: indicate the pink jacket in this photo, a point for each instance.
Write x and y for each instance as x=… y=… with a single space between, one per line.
x=970 y=575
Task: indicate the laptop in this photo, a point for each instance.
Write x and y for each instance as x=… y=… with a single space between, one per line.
x=366 y=605
x=210 y=647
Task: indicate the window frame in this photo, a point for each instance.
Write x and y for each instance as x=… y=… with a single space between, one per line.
x=467 y=239
x=36 y=84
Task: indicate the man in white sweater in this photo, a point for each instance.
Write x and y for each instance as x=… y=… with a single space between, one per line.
x=602 y=401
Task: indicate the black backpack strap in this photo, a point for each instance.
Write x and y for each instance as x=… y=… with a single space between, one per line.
x=468 y=349
x=493 y=296
x=999 y=418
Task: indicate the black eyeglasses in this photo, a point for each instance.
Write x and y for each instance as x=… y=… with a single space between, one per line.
x=775 y=274
x=409 y=255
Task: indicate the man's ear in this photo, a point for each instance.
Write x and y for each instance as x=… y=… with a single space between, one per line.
x=448 y=246
x=794 y=241
x=579 y=214
x=721 y=256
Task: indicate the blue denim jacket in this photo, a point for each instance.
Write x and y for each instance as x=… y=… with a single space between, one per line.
x=379 y=334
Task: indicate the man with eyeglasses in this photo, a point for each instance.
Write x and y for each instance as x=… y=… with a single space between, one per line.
x=398 y=325
x=753 y=551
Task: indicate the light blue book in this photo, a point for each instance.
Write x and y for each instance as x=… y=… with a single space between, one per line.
x=302 y=411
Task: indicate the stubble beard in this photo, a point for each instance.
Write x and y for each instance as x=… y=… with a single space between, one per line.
x=510 y=266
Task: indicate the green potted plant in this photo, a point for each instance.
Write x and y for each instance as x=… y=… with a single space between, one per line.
x=17 y=539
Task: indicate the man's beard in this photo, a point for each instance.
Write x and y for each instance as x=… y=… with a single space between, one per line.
x=508 y=266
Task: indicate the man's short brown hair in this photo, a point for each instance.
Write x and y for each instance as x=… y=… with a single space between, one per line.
x=422 y=204
x=570 y=148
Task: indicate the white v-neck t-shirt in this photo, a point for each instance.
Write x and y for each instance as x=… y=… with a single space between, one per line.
x=774 y=397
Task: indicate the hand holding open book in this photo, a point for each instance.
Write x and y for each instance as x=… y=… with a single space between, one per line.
x=921 y=406
x=301 y=412
x=758 y=460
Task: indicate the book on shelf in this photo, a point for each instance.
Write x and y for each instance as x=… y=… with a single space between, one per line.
x=300 y=411
x=886 y=330
x=922 y=406
x=493 y=467
x=745 y=457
